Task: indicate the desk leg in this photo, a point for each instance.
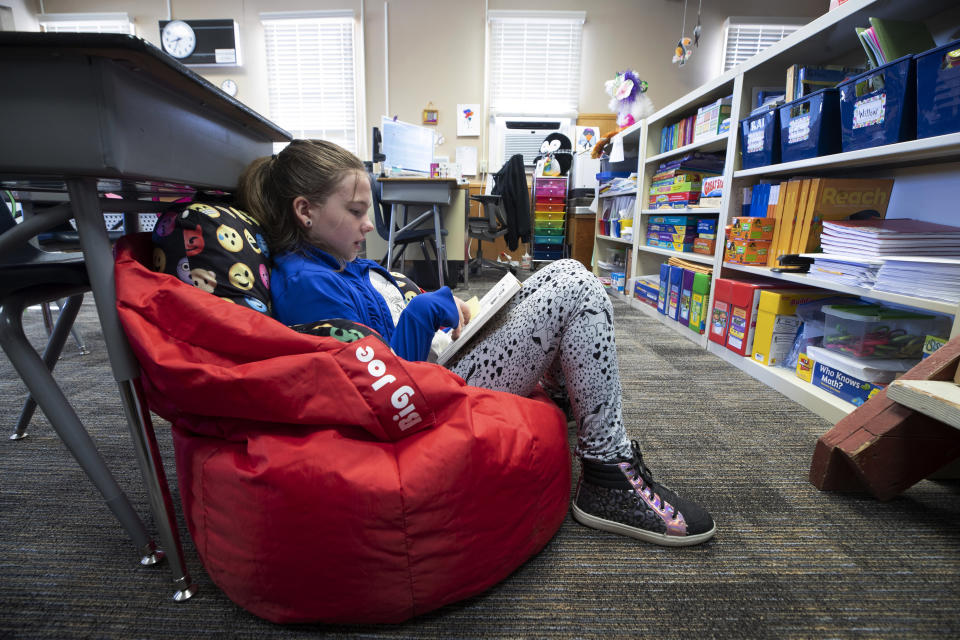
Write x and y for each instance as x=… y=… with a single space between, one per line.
x=98 y=255
x=441 y=246
x=390 y=235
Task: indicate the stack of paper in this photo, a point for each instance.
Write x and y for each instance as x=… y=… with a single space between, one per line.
x=854 y=271
x=936 y=278
x=889 y=237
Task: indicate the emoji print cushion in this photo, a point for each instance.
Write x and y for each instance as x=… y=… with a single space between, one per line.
x=215 y=248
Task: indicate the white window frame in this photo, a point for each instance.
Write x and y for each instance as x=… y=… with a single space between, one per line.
x=753 y=35
x=549 y=47
x=113 y=22
x=303 y=89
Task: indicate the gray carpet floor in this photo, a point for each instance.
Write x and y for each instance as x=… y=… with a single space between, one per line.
x=788 y=562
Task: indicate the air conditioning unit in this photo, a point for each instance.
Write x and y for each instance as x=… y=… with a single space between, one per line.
x=523 y=135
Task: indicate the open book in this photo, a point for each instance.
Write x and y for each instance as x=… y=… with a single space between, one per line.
x=481 y=311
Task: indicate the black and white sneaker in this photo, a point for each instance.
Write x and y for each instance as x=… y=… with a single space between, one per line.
x=622 y=497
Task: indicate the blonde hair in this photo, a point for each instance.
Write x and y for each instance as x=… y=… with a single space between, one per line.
x=309 y=168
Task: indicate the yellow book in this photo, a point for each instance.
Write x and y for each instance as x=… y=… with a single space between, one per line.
x=802 y=228
x=786 y=220
x=776 y=212
x=798 y=217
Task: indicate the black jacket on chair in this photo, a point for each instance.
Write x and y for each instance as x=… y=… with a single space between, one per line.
x=510 y=183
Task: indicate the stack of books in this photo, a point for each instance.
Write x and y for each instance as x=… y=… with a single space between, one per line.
x=894 y=237
x=935 y=278
x=905 y=256
x=677 y=183
x=849 y=270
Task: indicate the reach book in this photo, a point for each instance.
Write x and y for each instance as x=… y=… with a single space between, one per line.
x=481 y=311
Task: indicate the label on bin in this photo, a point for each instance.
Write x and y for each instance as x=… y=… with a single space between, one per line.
x=869 y=112
x=755 y=138
x=799 y=129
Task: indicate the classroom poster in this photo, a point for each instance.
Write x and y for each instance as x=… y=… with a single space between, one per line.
x=468 y=120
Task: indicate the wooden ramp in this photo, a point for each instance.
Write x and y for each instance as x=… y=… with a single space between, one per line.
x=886 y=446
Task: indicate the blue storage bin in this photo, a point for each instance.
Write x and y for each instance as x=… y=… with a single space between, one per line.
x=760 y=139
x=879 y=106
x=547 y=239
x=938 y=90
x=547 y=254
x=810 y=126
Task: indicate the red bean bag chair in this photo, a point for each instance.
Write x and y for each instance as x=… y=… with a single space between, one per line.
x=330 y=481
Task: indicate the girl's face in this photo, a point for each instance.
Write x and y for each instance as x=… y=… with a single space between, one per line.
x=340 y=224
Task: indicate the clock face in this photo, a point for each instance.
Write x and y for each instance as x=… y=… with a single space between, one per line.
x=229 y=87
x=178 y=39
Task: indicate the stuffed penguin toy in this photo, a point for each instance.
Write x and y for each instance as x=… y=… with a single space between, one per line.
x=556 y=152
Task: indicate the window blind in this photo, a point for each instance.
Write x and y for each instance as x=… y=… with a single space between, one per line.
x=311 y=75
x=534 y=61
x=86 y=23
x=744 y=38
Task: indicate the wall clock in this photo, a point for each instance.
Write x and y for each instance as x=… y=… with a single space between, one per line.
x=229 y=87
x=178 y=38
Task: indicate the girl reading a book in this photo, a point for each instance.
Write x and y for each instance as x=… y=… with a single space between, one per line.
x=312 y=200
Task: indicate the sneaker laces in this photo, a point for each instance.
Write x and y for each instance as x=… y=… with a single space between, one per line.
x=647 y=477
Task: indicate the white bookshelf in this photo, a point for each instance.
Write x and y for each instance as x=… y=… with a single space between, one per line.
x=828 y=39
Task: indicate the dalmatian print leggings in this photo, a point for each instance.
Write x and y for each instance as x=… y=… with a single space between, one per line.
x=558 y=331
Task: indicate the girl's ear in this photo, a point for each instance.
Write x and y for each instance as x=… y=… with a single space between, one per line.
x=301 y=209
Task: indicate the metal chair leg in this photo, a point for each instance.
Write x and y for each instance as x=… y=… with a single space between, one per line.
x=58 y=337
x=65 y=422
x=81 y=345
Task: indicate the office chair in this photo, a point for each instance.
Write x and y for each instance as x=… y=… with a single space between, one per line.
x=29 y=276
x=423 y=236
x=487 y=228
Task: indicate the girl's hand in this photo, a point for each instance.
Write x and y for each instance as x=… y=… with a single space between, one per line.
x=463 y=310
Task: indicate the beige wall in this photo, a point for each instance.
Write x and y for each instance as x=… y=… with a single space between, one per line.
x=436 y=47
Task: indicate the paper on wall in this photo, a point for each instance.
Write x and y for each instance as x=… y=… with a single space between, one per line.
x=467 y=159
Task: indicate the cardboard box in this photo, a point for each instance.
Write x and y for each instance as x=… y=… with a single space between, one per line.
x=747 y=251
x=744 y=301
x=805 y=367
x=752 y=228
x=842 y=385
x=647 y=290
x=699 y=299
x=664 y=290
x=777 y=323
x=686 y=290
x=673 y=294
x=720 y=313
x=704 y=245
x=712 y=187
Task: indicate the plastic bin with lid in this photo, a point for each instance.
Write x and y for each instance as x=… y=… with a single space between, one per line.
x=876 y=331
